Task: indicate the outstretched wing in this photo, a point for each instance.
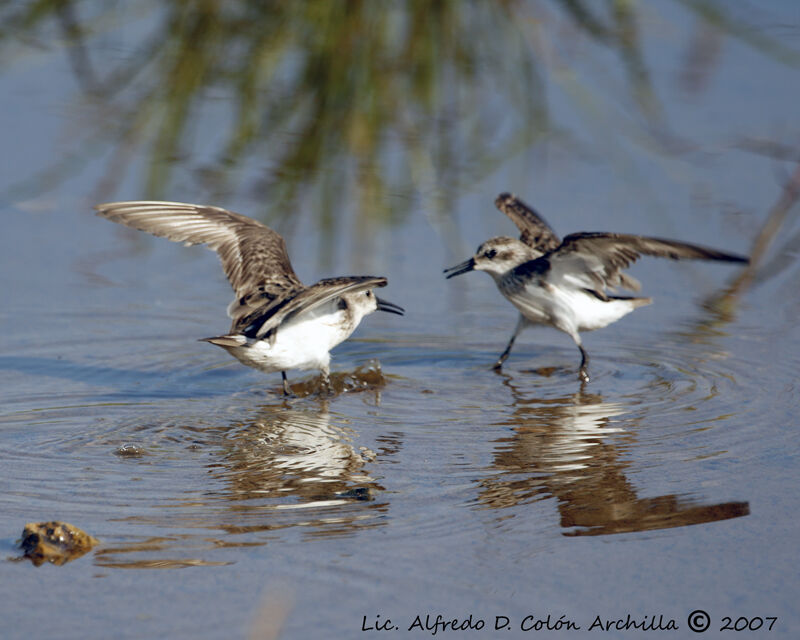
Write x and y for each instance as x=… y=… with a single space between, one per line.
x=534 y=230
x=596 y=260
x=253 y=256
x=265 y=321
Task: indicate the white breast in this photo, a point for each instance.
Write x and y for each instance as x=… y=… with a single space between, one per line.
x=567 y=308
x=302 y=343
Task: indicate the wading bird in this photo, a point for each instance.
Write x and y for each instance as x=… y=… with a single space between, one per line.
x=278 y=322
x=568 y=284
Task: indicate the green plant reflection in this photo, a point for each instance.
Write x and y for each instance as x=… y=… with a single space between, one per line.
x=375 y=103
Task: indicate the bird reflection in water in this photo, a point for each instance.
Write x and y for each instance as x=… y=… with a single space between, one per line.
x=292 y=466
x=295 y=455
x=568 y=448
x=284 y=467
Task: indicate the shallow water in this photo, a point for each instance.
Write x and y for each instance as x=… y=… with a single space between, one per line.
x=429 y=484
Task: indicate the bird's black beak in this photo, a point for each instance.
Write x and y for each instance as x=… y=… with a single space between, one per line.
x=389 y=307
x=464 y=267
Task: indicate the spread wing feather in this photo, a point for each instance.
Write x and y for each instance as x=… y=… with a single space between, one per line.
x=534 y=230
x=253 y=256
x=596 y=260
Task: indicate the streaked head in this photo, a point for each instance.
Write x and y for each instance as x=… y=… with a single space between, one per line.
x=496 y=256
x=363 y=303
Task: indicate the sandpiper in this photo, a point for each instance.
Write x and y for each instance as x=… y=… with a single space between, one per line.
x=278 y=322
x=568 y=284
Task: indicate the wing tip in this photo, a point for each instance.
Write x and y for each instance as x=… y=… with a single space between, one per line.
x=733 y=257
x=504 y=199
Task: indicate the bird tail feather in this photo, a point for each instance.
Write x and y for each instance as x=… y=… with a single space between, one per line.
x=226 y=341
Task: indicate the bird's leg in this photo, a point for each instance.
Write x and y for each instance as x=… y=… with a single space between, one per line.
x=504 y=356
x=325 y=381
x=582 y=374
x=287 y=390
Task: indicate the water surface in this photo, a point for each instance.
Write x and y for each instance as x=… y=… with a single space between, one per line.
x=430 y=484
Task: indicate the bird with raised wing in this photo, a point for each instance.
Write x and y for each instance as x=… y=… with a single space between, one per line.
x=278 y=322
x=569 y=284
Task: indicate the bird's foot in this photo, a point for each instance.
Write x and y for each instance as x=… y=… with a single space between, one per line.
x=325 y=387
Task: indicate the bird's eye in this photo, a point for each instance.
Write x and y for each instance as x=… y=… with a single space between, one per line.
x=368 y=294
x=491 y=253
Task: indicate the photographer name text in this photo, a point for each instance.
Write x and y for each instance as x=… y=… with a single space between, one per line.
x=697 y=621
